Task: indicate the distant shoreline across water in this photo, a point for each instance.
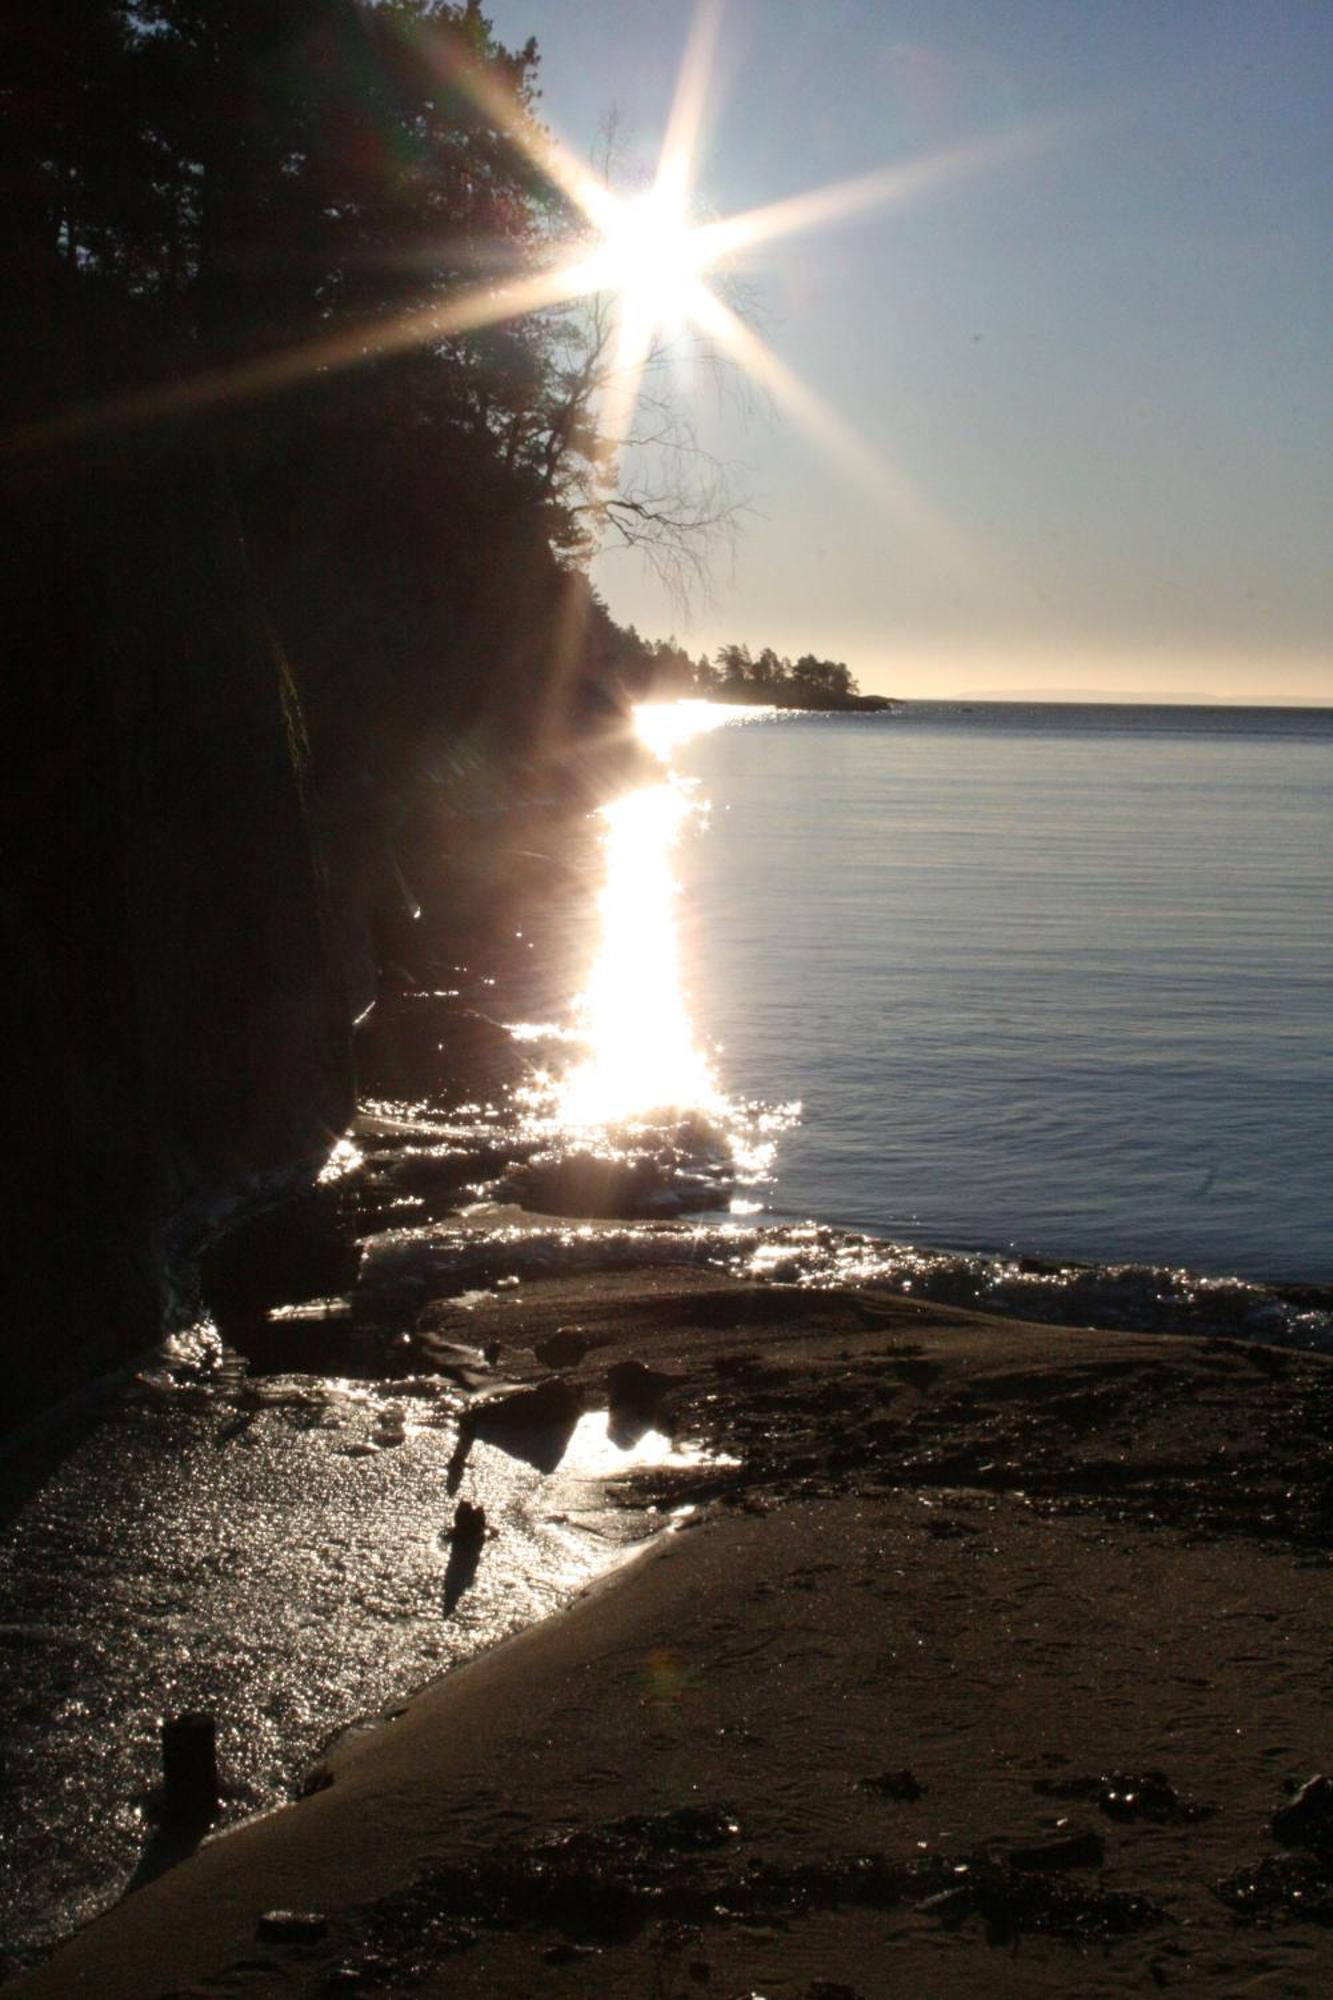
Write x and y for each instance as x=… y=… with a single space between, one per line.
x=896 y=704
x=1297 y=719
x=847 y=704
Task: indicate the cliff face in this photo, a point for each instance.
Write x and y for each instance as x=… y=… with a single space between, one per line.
x=210 y=842
x=176 y=1028
x=239 y=507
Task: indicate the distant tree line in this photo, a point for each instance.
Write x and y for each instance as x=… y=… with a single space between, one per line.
x=661 y=668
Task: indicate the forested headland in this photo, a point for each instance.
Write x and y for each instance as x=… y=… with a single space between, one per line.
x=296 y=577
x=662 y=670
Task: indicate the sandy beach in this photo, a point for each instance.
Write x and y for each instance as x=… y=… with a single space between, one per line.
x=981 y=1663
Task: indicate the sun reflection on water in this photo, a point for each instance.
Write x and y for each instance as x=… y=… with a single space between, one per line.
x=642 y=1053
x=662 y=726
x=639 y=1076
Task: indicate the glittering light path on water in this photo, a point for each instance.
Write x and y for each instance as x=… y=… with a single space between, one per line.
x=643 y=1056
x=644 y=1064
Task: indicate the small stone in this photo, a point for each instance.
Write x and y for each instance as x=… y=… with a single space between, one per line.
x=292 y=1926
x=1123 y=1795
x=636 y=1389
x=951 y=1906
x=190 y=1791
x=469 y=1529
x=565 y=1348
x=1306 y=1820
x=535 y=1424
x=1072 y=1850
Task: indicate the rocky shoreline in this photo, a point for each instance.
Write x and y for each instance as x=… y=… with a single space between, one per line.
x=989 y=1658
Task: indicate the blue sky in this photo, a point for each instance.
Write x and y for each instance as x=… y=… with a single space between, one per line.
x=1103 y=365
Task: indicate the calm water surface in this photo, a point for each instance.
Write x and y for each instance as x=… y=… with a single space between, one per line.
x=1055 y=979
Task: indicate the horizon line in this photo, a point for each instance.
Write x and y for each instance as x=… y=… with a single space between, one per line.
x=1128 y=698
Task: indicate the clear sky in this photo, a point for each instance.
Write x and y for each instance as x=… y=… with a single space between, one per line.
x=1102 y=367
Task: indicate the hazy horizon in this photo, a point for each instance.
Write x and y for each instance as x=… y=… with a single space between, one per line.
x=1137 y=698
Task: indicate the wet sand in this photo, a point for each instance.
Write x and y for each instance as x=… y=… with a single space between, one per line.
x=981 y=1669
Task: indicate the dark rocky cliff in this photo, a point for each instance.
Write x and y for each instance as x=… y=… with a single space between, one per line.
x=176 y=1027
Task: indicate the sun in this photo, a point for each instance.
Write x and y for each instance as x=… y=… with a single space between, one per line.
x=652 y=258
x=658 y=268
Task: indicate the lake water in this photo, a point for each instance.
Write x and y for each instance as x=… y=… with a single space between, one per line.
x=1052 y=979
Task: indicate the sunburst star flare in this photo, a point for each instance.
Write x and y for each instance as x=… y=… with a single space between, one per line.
x=646 y=254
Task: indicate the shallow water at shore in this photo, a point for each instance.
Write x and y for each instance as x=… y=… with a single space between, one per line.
x=1135 y=1297
x=271 y=1549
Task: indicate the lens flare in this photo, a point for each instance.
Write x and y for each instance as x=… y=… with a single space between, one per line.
x=647 y=256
